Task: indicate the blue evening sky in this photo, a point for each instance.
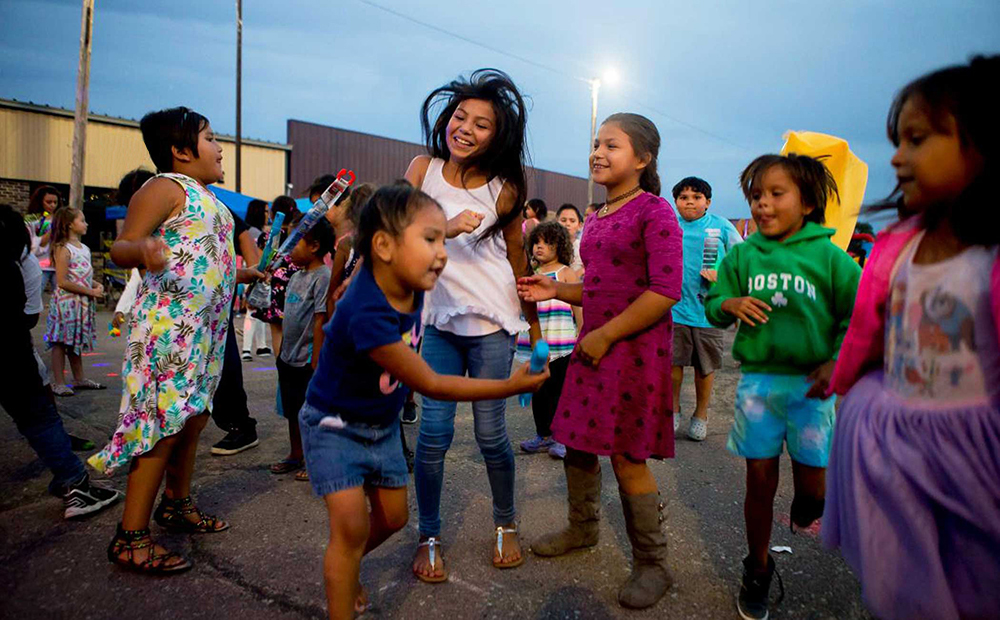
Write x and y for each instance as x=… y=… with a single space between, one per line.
x=723 y=80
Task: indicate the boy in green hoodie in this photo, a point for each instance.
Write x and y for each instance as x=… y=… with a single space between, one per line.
x=793 y=291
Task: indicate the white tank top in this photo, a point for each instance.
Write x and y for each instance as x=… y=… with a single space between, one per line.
x=476 y=294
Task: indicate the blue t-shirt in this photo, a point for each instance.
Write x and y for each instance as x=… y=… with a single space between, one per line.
x=347 y=382
x=706 y=241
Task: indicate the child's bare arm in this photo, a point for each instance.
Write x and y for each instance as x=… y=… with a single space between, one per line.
x=404 y=364
x=152 y=205
x=319 y=320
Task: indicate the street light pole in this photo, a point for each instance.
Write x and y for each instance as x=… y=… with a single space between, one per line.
x=239 y=95
x=595 y=87
x=76 y=179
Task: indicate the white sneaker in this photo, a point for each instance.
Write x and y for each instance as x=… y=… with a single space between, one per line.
x=698 y=429
x=677 y=421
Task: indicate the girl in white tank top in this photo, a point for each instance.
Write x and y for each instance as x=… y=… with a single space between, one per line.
x=475 y=139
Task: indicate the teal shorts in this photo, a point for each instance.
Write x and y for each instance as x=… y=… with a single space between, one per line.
x=772 y=410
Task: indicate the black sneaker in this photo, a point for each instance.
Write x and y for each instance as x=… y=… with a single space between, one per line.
x=84 y=498
x=263 y=352
x=751 y=603
x=410 y=412
x=235 y=442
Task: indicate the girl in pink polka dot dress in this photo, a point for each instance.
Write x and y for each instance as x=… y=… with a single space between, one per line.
x=617 y=397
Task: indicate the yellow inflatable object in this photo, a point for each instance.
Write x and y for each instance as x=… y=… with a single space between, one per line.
x=850 y=173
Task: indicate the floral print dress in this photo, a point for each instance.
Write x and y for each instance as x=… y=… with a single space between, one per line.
x=71 y=316
x=177 y=333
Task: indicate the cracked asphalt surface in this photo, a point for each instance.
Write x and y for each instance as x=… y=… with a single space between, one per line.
x=269 y=564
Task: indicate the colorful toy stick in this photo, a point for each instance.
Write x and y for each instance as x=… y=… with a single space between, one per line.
x=113 y=331
x=332 y=194
x=272 y=242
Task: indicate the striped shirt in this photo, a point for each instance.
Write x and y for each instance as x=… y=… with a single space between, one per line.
x=557 y=324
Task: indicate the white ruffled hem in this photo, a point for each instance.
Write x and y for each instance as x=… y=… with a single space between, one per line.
x=439 y=317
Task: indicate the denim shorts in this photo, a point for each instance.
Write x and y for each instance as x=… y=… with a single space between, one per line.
x=772 y=410
x=353 y=455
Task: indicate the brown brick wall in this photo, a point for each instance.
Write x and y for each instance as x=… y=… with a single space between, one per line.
x=15 y=193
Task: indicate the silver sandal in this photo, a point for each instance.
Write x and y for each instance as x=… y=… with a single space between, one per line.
x=501 y=530
x=431 y=543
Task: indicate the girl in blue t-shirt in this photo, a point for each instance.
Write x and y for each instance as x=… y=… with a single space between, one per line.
x=368 y=363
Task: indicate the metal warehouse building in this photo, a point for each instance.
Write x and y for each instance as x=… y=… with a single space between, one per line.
x=36 y=148
x=320 y=149
x=36 y=143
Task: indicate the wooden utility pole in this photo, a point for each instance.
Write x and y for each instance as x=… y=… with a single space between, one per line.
x=82 y=104
x=239 y=94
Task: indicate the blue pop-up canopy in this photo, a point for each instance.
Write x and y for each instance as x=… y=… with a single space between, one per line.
x=237 y=203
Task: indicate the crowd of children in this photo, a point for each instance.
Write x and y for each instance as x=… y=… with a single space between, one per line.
x=434 y=285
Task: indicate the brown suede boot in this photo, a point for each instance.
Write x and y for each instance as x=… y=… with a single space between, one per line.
x=650 y=578
x=584 y=491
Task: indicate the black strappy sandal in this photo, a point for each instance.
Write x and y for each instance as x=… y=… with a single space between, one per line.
x=172 y=514
x=130 y=541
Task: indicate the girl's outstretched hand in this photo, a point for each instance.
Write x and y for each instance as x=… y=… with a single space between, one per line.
x=747 y=309
x=820 y=379
x=592 y=347
x=465 y=222
x=523 y=380
x=154 y=254
x=536 y=288
x=98 y=291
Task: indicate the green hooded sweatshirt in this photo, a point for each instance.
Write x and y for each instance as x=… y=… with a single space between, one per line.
x=810 y=285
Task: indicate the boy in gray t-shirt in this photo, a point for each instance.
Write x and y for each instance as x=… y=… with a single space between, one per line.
x=302 y=334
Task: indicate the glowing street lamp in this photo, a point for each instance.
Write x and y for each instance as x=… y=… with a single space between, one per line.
x=610 y=78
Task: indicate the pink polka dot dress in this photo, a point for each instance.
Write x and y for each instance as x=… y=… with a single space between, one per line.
x=624 y=406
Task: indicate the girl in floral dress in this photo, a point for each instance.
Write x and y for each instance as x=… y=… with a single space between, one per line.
x=70 y=324
x=182 y=234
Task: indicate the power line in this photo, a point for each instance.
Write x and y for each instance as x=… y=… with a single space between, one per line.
x=544 y=67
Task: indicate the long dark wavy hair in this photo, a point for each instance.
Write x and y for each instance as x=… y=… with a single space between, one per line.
x=958 y=91
x=506 y=155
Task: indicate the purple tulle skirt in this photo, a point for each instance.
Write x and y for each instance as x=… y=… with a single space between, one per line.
x=913 y=503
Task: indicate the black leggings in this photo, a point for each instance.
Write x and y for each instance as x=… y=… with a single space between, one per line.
x=546 y=399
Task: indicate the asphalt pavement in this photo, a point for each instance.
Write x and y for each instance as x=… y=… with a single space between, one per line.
x=269 y=564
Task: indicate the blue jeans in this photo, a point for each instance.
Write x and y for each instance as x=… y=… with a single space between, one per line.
x=483 y=357
x=33 y=408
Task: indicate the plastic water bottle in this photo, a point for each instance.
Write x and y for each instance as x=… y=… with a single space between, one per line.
x=539 y=355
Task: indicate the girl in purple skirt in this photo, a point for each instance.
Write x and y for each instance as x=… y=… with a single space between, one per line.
x=617 y=396
x=913 y=487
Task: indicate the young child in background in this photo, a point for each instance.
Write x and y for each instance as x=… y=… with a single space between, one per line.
x=551 y=252
x=71 y=325
x=913 y=498
x=570 y=218
x=350 y=422
x=533 y=214
x=254 y=330
x=793 y=291
x=302 y=327
x=707 y=239
x=618 y=404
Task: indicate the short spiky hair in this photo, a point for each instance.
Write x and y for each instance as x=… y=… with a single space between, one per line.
x=555 y=235
x=174 y=127
x=695 y=185
x=814 y=180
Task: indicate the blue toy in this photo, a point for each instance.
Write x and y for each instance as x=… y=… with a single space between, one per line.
x=539 y=355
